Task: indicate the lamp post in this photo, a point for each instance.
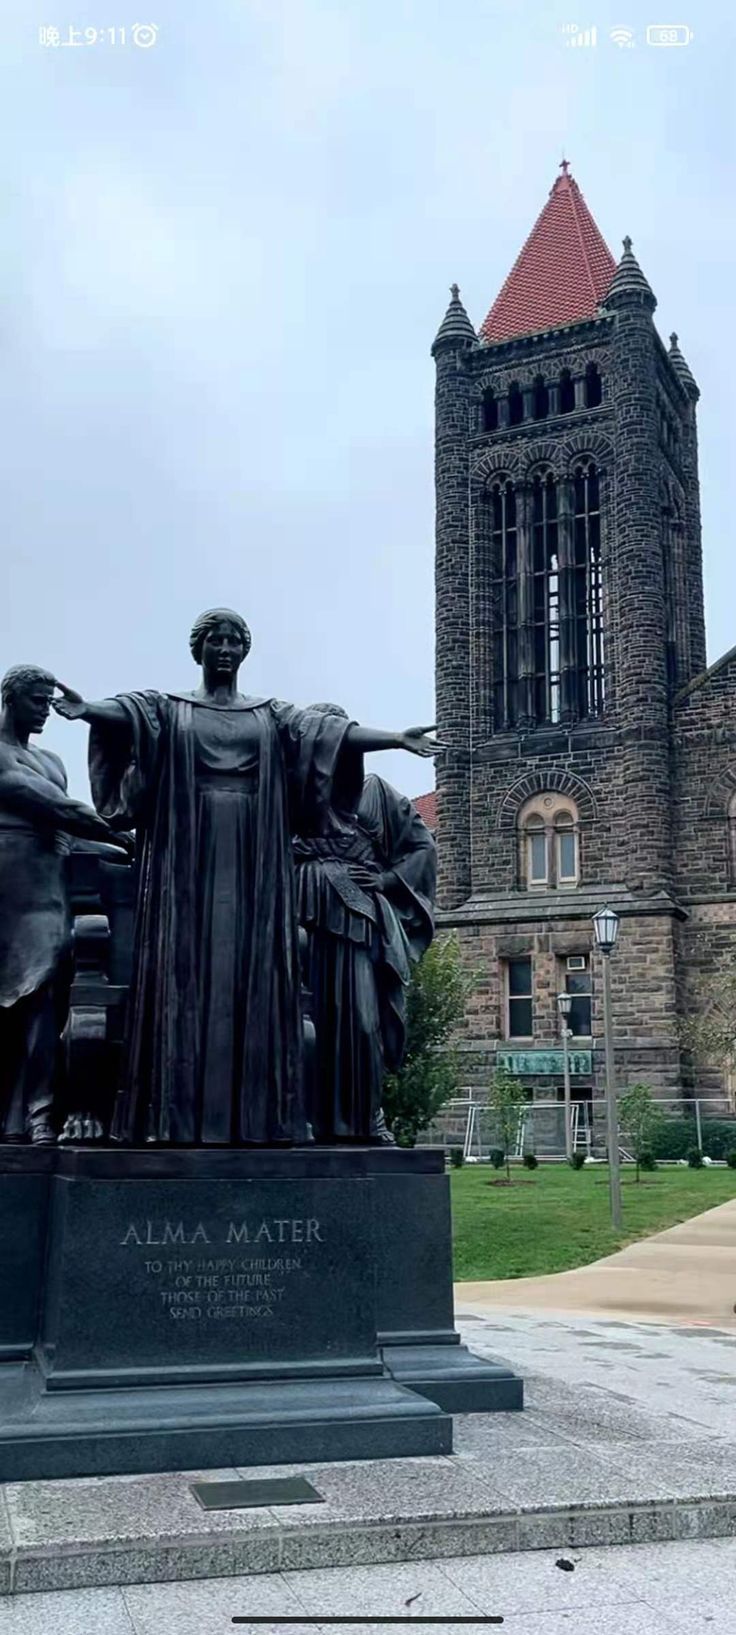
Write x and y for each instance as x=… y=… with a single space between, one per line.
x=564 y=1007
x=605 y=926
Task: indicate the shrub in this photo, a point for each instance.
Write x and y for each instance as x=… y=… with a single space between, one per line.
x=695 y=1158
x=647 y=1161
x=497 y=1157
x=457 y=1157
x=731 y=1158
x=577 y=1160
x=675 y=1137
x=530 y=1160
x=718 y=1136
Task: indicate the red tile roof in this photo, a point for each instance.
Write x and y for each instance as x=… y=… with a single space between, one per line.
x=562 y=273
x=426 y=806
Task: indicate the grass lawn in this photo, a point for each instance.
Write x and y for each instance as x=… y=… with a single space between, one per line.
x=554 y=1218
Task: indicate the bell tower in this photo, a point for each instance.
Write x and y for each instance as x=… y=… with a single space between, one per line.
x=568 y=568
x=569 y=600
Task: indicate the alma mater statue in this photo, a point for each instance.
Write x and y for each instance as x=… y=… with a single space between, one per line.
x=216 y=784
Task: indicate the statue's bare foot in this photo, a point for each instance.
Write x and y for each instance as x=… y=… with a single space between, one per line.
x=42 y=1134
x=79 y=1129
x=380 y=1133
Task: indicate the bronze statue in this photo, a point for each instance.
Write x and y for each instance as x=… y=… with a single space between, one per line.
x=216 y=784
x=366 y=889
x=36 y=818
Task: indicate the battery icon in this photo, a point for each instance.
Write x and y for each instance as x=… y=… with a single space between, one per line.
x=669 y=34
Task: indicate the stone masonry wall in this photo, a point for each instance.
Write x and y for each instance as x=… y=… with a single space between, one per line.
x=704 y=771
x=643 y=991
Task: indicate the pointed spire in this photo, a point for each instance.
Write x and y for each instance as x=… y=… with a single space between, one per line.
x=628 y=284
x=561 y=273
x=679 y=364
x=456 y=329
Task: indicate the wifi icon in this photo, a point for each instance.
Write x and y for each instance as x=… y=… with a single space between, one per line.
x=623 y=37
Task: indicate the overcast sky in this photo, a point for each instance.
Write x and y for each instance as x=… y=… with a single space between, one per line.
x=225 y=256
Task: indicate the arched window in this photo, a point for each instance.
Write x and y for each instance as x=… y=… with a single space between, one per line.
x=541 y=399
x=593 y=387
x=567 y=392
x=505 y=603
x=490 y=411
x=545 y=599
x=549 y=843
x=516 y=406
x=588 y=590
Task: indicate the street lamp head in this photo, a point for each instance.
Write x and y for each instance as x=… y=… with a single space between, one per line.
x=605 y=926
x=564 y=1005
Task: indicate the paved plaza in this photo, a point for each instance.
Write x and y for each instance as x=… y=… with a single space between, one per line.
x=622 y=1466
x=628 y=1439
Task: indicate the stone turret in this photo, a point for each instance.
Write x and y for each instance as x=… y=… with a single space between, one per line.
x=636 y=577
x=452 y=639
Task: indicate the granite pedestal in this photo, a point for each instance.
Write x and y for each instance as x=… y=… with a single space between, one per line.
x=172 y=1309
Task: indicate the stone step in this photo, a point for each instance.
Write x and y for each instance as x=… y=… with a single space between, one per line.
x=521 y=1493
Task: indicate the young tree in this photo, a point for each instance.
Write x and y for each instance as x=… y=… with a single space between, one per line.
x=430 y=1074
x=506 y=1099
x=640 y=1119
x=708 y=996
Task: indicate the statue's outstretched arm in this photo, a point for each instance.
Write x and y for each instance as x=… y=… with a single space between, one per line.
x=39 y=799
x=73 y=707
x=415 y=739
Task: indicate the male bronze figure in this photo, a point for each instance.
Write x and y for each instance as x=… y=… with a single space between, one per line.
x=36 y=819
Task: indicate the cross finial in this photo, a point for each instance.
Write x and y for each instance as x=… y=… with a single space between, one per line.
x=564 y=165
x=455 y=291
x=627 y=245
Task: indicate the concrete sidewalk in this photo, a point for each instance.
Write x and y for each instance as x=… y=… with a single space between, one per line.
x=686 y=1274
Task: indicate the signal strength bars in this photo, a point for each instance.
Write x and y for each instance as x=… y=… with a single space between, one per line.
x=580 y=36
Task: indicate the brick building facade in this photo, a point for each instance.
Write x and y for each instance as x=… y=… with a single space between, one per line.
x=591 y=754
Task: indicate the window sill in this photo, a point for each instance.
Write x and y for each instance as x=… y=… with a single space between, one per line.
x=538 y=889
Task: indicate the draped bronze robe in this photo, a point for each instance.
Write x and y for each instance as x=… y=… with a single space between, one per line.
x=214 y=1027
x=363 y=944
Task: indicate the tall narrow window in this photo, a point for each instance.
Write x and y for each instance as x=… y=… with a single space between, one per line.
x=516 y=406
x=490 y=412
x=577 y=983
x=537 y=852
x=519 y=1017
x=676 y=594
x=541 y=399
x=505 y=605
x=567 y=392
x=566 y=850
x=732 y=842
x=588 y=591
x=670 y=595
x=545 y=600
x=593 y=387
